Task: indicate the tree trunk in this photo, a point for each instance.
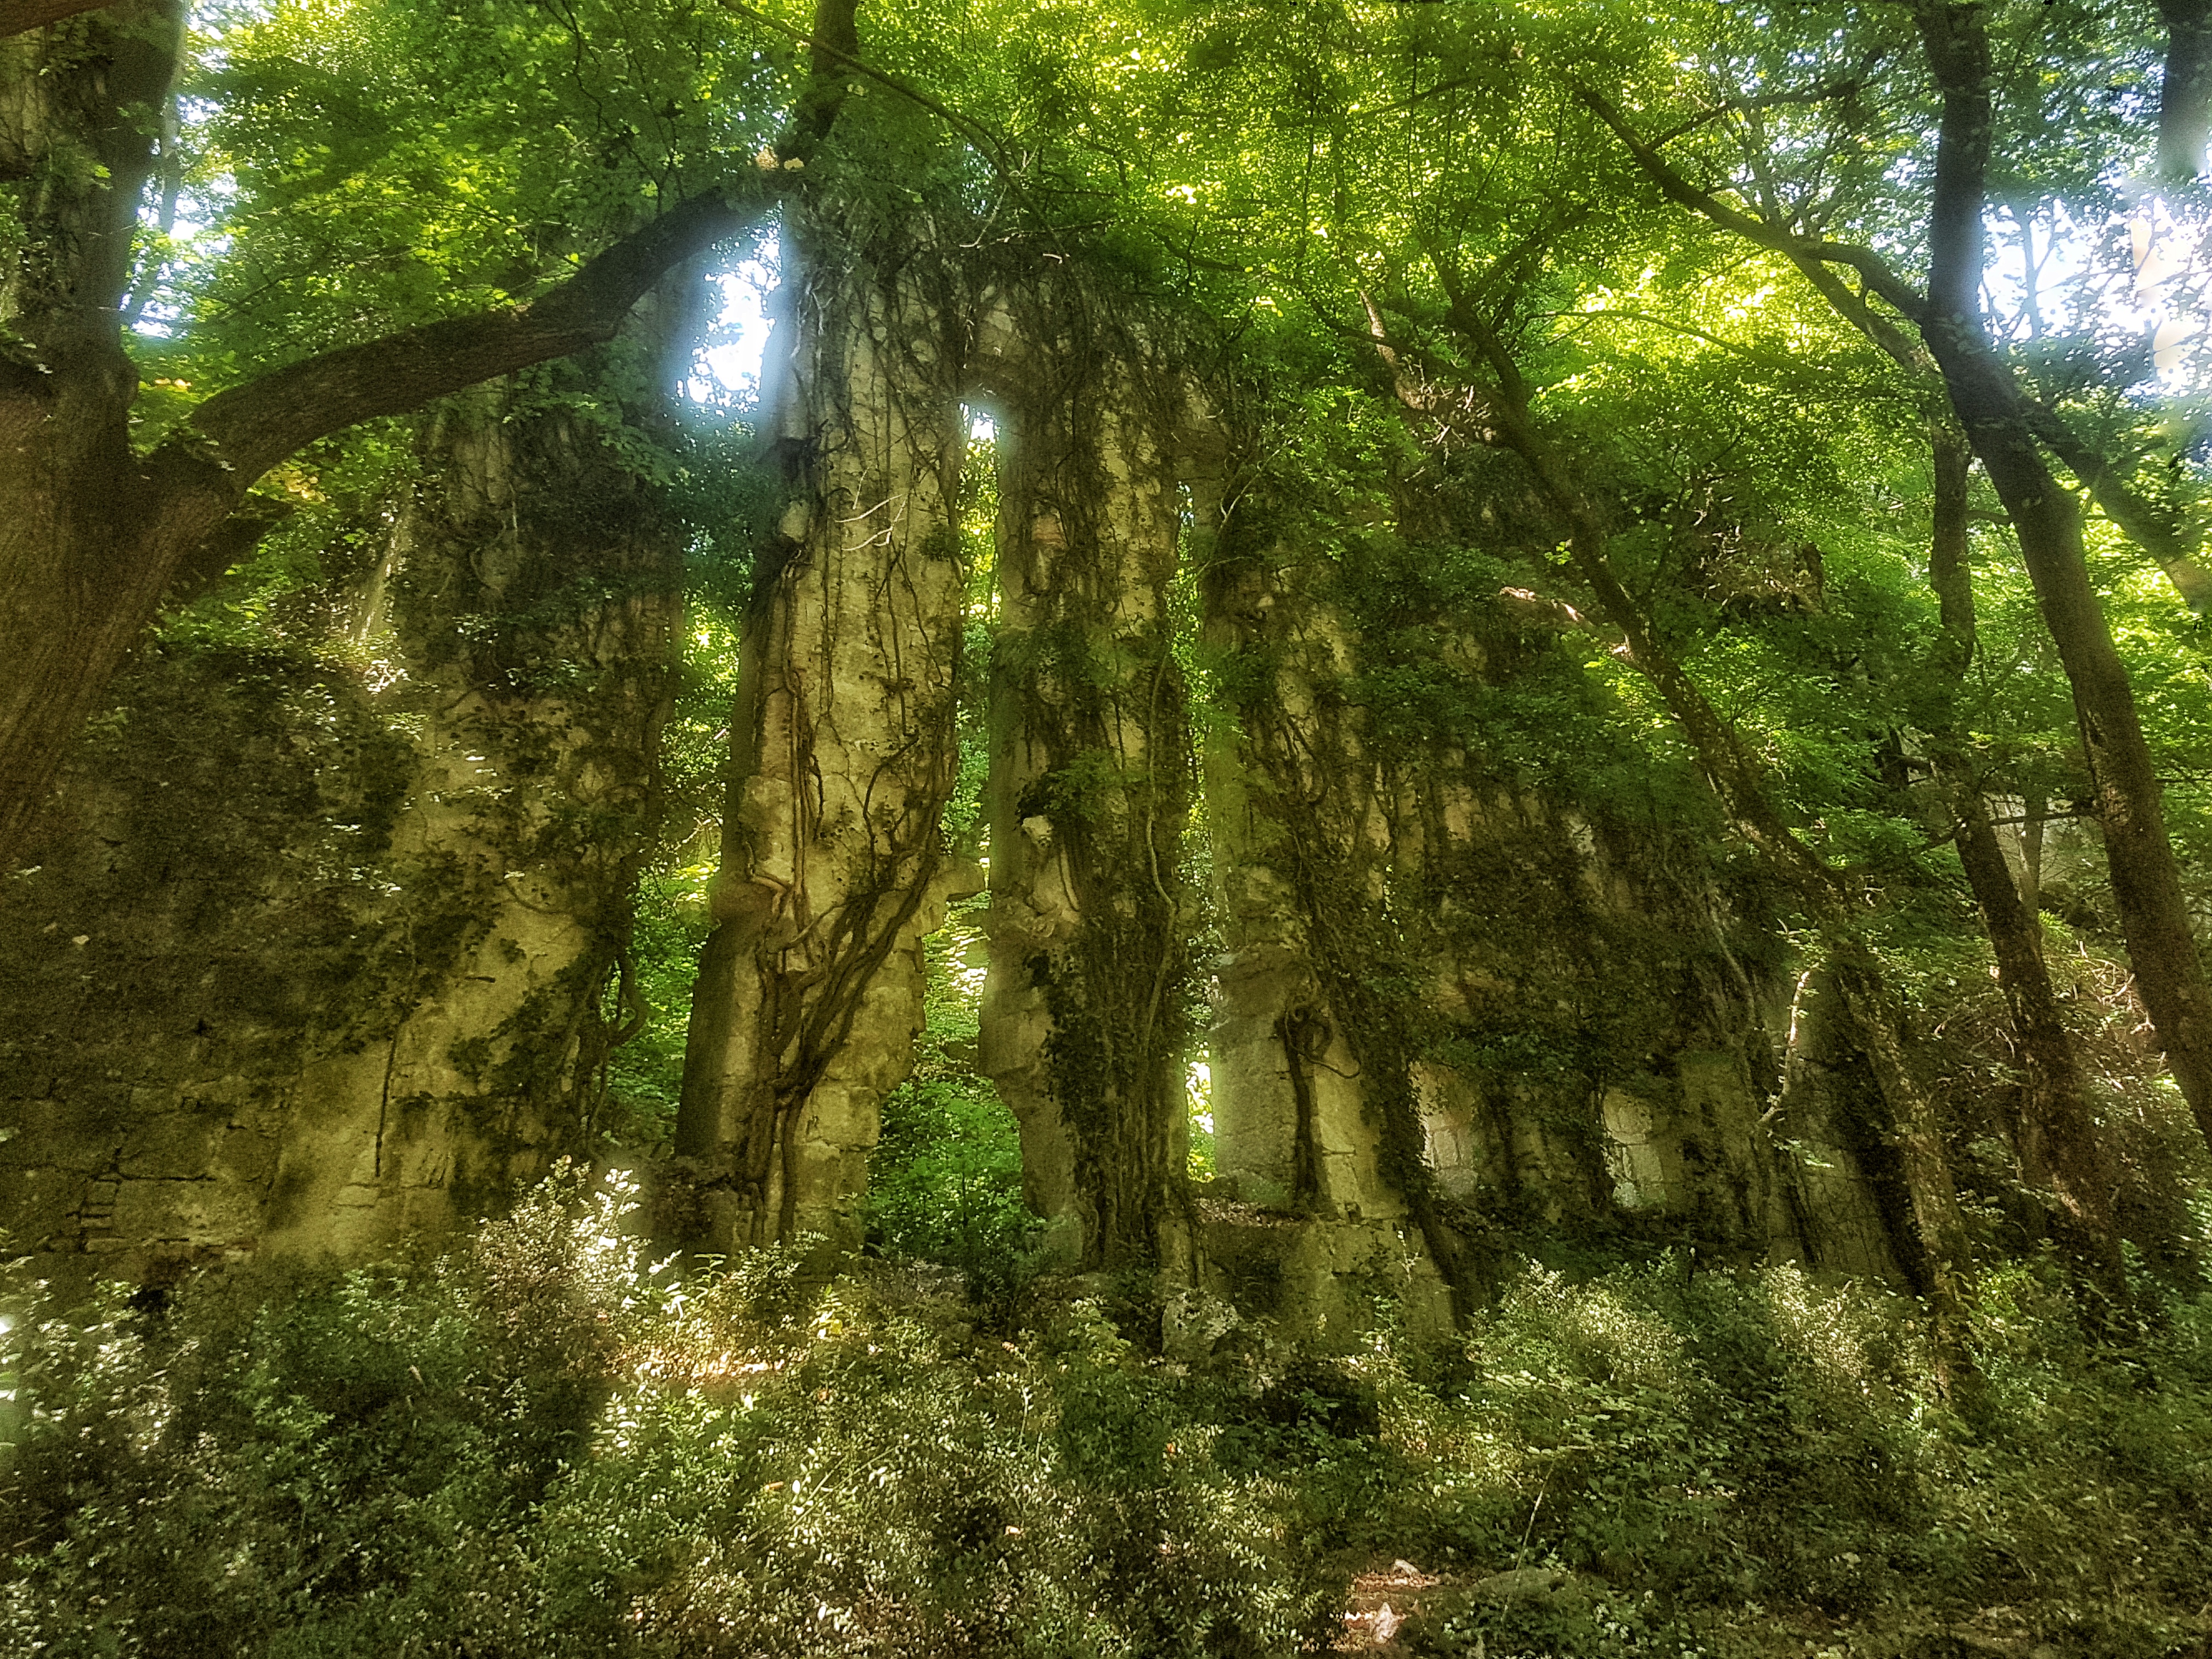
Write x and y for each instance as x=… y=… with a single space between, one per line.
x=75 y=520
x=2184 y=93
x=2060 y=1149
x=2145 y=880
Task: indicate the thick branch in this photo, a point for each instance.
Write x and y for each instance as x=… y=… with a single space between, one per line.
x=249 y=428
x=2142 y=521
x=20 y=17
x=1874 y=271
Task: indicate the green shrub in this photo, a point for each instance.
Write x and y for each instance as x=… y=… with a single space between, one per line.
x=537 y=1445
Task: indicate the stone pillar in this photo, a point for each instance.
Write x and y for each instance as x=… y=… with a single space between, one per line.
x=844 y=754
x=537 y=588
x=1083 y=1016
x=1301 y=845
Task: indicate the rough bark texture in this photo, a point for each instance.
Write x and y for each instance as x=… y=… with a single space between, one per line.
x=316 y=960
x=74 y=590
x=1085 y=1009
x=843 y=755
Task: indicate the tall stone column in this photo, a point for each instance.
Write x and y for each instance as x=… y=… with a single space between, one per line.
x=1308 y=1085
x=1083 y=1016
x=844 y=754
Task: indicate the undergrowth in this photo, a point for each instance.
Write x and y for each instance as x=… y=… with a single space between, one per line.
x=538 y=1445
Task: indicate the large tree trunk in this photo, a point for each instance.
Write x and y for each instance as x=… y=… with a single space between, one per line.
x=2059 y=1148
x=1085 y=1012
x=2145 y=880
x=76 y=583
x=843 y=755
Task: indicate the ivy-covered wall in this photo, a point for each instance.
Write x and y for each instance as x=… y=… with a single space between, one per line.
x=1084 y=1027
x=1486 y=984
x=319 y=955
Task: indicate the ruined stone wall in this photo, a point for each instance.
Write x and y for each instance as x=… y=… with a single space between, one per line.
x=1461 y=1010
x=314 y=957
x=1084 y=1020
x=843 y=755
x=1317 y=1207
x=1458 y=998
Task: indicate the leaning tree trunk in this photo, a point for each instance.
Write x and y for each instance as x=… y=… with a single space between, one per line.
x=2060 y=1149
x=843 y=755
x=1084 y=1007
x=2146 y=879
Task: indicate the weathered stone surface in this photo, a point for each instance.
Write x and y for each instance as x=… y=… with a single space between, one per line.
x=314 y=958
x=1083 y=1021
x=1848 y=1207
x=844 y=755
x=1452 y=1000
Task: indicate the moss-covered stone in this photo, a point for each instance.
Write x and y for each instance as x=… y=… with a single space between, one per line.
x=314 y=954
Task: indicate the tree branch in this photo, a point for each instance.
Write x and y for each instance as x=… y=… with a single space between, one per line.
x=249 y=428
x=21 y=16
x=1874 y=271
x=1957 y=261
x=845 y=52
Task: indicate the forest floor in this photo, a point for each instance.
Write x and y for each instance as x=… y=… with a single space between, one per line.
x=537 y=1446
